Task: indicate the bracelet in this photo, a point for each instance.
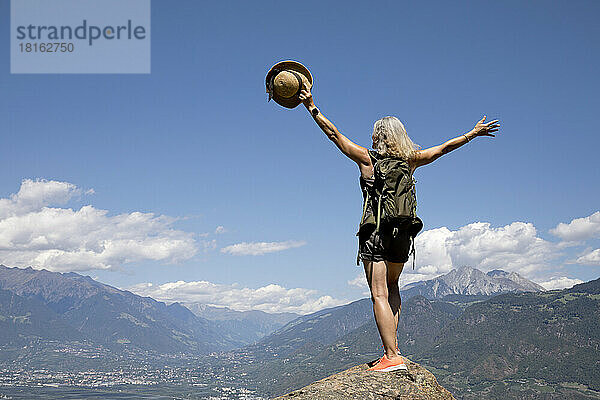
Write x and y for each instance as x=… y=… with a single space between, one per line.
x=466 y=138
x=314 y=112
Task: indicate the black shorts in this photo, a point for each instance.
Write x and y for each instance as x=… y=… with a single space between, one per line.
x=389 y=244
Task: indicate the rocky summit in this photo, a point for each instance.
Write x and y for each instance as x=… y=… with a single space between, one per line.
x=357 y=383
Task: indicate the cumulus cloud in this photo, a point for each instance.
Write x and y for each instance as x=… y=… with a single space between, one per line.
x=560 y=283
x=260 y=248
x=579 y=228
x=514 y=247
x=34 y=232
x=34 y=195
x=433 y=257
x=590 y=258
x=208 y=245
x=269 y=298
x=360 y=281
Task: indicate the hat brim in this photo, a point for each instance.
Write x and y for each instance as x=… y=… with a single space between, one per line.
x=307 y=79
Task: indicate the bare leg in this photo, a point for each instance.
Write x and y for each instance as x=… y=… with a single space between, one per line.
x=394 y=271
x=377 y=277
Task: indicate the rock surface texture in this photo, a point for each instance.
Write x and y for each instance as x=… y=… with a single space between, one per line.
x=358 y=383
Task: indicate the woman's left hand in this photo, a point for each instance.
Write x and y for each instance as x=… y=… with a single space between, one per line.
x=485 y=129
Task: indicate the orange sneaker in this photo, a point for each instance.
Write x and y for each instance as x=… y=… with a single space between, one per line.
x=386 y=365
x=374 y=362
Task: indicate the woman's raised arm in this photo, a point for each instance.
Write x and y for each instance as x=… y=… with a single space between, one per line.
x=426 y=156
x=356 y=153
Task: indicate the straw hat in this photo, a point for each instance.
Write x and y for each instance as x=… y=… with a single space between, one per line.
x=284 y=82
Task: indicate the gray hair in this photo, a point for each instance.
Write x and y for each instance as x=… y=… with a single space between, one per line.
x=390 y=139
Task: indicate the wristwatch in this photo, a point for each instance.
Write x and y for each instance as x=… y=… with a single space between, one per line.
x=314 y=112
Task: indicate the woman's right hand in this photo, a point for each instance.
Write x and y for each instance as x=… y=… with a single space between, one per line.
x=485 y=129
x=306 y=97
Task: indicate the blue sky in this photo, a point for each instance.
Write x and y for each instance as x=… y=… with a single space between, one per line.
x=196 y=141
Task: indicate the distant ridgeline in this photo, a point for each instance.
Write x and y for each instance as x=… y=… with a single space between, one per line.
x=38 y=305
x=468 y=281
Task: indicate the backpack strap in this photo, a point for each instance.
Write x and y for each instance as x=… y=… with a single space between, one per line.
x=412 y=251
x=366 y=201
x=374 y=155
x=378 y=213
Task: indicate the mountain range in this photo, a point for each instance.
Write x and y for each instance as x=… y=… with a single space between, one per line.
x=484 y=335
x=68 y=306
x=468 y=281
x=38 y=304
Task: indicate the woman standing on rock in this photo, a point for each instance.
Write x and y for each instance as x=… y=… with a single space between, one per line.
x=385 y=248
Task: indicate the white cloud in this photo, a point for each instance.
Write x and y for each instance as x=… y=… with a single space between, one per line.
x=560 y=283
x=208 y=245
x=34 y=195
x=590 y=258
x=269 y=298
x=513 y=247
x=33 y=233
x=360 y=281
x=432 y=253
x=579 y=228
x=260 y=248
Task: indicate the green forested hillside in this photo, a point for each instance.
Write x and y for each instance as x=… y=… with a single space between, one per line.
x=552 y=337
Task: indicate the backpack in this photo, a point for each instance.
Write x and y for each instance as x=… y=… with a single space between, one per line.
x=392 y=199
